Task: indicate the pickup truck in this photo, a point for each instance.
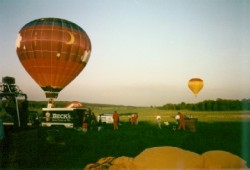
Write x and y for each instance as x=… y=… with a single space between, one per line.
x=105 y=118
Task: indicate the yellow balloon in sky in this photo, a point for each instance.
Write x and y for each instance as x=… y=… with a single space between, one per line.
x=195 y=85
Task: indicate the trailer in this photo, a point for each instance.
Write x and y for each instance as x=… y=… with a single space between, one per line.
x=68 y=117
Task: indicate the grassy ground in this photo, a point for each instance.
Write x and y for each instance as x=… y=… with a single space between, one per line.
x=72 y=149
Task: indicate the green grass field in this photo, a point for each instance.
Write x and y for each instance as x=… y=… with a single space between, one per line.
x=149 y=114
x=227 y=131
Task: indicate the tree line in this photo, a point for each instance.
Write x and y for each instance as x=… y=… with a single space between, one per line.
x=206 y=105
x=211 y=105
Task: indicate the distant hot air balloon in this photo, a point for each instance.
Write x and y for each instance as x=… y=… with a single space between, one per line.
x=195 y=85
x=53 y=51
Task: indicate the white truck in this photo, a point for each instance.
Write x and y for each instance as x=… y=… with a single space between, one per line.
x=105 y=118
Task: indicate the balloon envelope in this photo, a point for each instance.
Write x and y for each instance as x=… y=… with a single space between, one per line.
x=195 y=85
x=74 y=104
x=53 y=51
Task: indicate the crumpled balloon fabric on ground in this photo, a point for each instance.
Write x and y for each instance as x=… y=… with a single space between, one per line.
x=168 y=157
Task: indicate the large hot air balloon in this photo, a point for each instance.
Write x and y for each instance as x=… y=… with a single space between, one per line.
x=53 y=51
x=195 y=85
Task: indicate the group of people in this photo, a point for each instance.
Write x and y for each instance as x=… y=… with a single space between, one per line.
x=88 y=122
x=133 y=119
x=180 y=118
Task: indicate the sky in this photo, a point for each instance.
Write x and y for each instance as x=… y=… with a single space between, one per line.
x=143 y=51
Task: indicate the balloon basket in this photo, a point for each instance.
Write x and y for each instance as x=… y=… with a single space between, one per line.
x=191 y=124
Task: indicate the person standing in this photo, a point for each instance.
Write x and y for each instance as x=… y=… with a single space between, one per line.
x=132 y=118
x=158 y=119
x=115 y=120
x=181 y=124
x=85 y=123
x=136 y=118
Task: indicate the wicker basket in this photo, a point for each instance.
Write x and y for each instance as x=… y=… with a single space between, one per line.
x=190 y=124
